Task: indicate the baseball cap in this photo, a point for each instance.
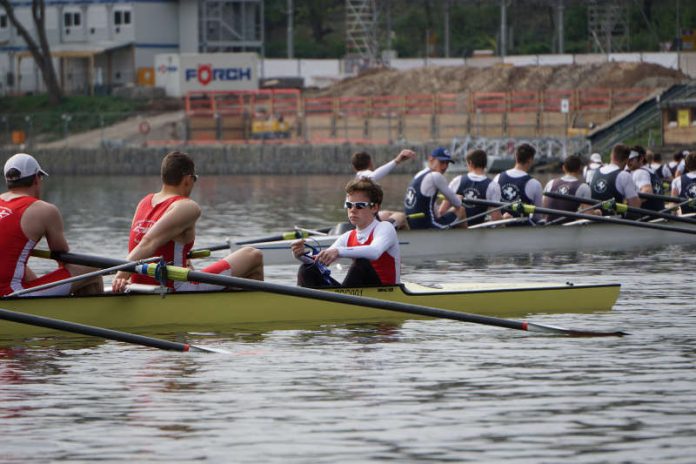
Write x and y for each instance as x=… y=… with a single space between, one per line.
x=25 y=164
x=633 y=154
x=596 y=158
x=442 y=154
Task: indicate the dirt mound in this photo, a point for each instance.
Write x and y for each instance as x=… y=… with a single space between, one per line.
x=460 y=79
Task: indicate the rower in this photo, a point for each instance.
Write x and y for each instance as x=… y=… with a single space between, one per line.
x=591 y=168
x=571 y=183
x=24 y=221
x=611 y=181
x=670 y=169
x=164 y=225
x=422 y=194
x=364 y=168
x=474 y=184
x=680 y=167
x=372 y=245
x=646 y=180
x=517 y=185
x=685 y=185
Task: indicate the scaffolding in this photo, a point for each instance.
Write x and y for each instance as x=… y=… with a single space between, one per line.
x=362 y=49
x=607 y=24
x=231 y=26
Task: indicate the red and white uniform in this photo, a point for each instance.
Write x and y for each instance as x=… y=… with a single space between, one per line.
x=377 y=243
x=146 y=215
x=15 y=248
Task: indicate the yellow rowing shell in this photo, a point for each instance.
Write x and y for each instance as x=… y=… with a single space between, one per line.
x=254 y=310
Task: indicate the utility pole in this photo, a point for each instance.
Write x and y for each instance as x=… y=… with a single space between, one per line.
x=503 y=28
x=447 y=28
x=560 y=13
x=291 y=45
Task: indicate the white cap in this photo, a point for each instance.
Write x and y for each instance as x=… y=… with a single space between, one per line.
x=596 y=158
x=633 y=154
x=25 y=164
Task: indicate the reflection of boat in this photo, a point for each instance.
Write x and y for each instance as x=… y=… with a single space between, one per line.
x=490 y=240
x=220 y=311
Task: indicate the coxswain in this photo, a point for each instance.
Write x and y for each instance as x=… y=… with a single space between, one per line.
x=517 y=185
x=685 y=185
x=611 y=181
x=164 y=225
x=365 y=168
x=24 y=220
x=372 y=246
x=422 y=194
x=475 y=185
x=571 y=183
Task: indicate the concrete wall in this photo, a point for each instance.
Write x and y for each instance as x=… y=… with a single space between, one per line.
x=232 y=159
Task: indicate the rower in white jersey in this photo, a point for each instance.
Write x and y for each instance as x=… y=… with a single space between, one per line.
x=684 y=186
x=365 y=168
x=517 y=185
x=372 y=245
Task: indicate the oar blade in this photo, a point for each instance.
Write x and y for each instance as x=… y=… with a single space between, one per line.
x=550 y=329
x=208 y=349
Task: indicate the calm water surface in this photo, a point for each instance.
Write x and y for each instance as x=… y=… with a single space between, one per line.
x=422 y=391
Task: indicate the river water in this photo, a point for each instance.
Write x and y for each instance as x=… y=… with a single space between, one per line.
x=421 y=391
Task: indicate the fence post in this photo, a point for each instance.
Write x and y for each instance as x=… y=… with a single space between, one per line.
x=218 y=126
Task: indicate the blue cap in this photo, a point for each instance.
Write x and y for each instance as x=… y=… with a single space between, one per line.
x=442 y=154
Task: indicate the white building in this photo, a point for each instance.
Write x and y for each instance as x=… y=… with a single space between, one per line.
x=101 y=44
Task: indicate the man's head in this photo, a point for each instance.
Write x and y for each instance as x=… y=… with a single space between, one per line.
x=690 y=162
x=678 y=156
x=363 y=199
x=176 y=167
x=636 y=159
x=619 y=154
x=596 y=158
x=572 y=165
x=440 y=159
x=22 y=170
x=524 y=154
x=476 y=159
x=361 y=161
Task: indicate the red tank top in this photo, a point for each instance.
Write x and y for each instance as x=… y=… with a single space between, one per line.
x=145 y=217
x=384 y=266
x=14 y=245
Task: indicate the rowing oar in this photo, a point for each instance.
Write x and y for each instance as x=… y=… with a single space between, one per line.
x=667 y=198
x=531 y=209
x=204 y=252
x=184 y=274
x=110 y=334
x=622 y=208
x=283 y=236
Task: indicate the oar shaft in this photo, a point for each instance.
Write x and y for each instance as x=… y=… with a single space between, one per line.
x=530 y=209
x=654 y=196
x=630 y=209
x=84 y=329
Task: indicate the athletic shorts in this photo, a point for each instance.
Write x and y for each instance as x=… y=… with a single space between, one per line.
x=60 y=290
x=221 y=267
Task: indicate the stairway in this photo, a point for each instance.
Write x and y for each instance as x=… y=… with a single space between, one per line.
x=642 y=117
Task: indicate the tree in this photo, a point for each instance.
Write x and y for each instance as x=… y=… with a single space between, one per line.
x=40 y=51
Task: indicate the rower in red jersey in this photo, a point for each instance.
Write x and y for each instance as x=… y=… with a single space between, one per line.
x=24 y=221
x=165 y=225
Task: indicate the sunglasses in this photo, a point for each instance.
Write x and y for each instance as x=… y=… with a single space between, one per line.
x=357 y=204
x=195 y=177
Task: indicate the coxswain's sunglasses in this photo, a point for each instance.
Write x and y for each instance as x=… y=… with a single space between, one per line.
x=358 y=204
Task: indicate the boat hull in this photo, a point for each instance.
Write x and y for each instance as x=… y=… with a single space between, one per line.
x=417 y=245
x=252 y=310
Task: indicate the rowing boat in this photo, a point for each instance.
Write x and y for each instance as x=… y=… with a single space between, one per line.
x=495 y=239
x=241 y=309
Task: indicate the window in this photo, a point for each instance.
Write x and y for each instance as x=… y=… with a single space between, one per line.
x=122 y=17
x=72 y=19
